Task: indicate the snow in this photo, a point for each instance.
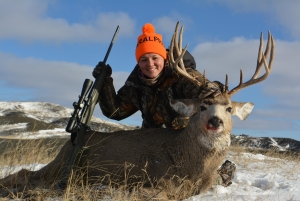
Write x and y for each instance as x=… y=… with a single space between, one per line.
x=7 y=170
x=275 y=144
x=13 y=126
x=56 y=132
x=258 y=177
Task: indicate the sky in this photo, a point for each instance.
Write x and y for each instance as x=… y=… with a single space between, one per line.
x=48 y=48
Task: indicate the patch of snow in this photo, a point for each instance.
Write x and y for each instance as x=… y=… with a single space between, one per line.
x=7 y=127
x=56 y=132
x=8 y=170
x=263 y=178
x=275 y=144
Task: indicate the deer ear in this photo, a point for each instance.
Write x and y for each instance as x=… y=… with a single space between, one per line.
x=184 y=107
x=242 y=109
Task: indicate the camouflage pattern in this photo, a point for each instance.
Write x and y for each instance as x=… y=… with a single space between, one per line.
x=226 y=173
x=151 y=100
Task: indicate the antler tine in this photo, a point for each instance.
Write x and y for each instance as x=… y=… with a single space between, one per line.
x=226 y=83
x=261 y=60
x=173 y=43
x=260 y=54
x=268 y=45
x=178 y=45
x=178 y=64
x=204 y=77
x=272 y=53
x=171 y=57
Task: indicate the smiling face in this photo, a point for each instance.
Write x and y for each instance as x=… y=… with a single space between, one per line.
x=151 y=64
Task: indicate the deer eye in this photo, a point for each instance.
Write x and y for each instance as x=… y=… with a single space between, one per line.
x=202 y=108
x=229 y=109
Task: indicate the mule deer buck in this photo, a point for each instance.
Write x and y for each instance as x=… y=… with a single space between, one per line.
x=157 y=156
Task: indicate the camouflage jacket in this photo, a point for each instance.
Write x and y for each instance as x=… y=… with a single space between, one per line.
x=152 y=101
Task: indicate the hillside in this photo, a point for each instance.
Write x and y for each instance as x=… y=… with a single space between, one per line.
x=41 y=119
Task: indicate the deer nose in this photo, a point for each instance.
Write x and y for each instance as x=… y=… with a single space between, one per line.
x=215 y=122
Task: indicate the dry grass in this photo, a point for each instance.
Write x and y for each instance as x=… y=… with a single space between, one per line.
x=273 y=153
x=270 y=160
x=16 y=152
x=19 y=152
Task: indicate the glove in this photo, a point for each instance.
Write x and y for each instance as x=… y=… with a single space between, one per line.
x=97 y=70
x=211 y=89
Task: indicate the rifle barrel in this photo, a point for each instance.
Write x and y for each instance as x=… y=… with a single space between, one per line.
x=111 y=44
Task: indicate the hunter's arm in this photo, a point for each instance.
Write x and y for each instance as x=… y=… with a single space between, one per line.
x=116 y=106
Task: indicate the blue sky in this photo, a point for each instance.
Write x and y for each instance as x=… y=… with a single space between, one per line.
x=48 y=48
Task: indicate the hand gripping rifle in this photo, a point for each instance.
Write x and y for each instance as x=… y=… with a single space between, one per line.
x=80 y=120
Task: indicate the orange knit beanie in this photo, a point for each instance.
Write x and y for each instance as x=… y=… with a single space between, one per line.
x=148 y=42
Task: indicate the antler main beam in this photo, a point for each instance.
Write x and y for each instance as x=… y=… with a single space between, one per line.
x=261 y=60
x=176 y=47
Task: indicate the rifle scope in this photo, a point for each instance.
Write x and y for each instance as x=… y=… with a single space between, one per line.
x=78 y=105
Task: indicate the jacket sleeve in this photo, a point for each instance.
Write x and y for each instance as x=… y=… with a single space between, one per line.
x=116 y=106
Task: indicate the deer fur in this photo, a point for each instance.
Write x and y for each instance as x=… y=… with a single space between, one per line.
x=153 y=156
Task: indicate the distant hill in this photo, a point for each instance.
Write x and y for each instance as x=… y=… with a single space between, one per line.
x=41 y=119
x=277 y=144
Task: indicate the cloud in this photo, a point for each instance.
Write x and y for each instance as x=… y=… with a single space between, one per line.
x=28 y=21
x=166 y=25
x=221 y=58
x=285 y=13
x=279 y=113
x=264 y=124
x=50 y=81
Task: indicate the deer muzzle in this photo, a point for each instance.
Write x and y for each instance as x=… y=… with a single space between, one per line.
x=214 y=123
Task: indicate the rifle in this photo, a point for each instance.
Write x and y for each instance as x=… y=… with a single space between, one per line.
x=80 y=120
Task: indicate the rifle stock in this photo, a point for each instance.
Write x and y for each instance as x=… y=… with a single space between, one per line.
x=80 y=120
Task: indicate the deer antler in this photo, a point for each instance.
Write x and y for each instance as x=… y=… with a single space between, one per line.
x=178 y=64
x=261 y=60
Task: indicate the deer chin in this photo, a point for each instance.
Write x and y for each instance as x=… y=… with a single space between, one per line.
x=215 y=138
